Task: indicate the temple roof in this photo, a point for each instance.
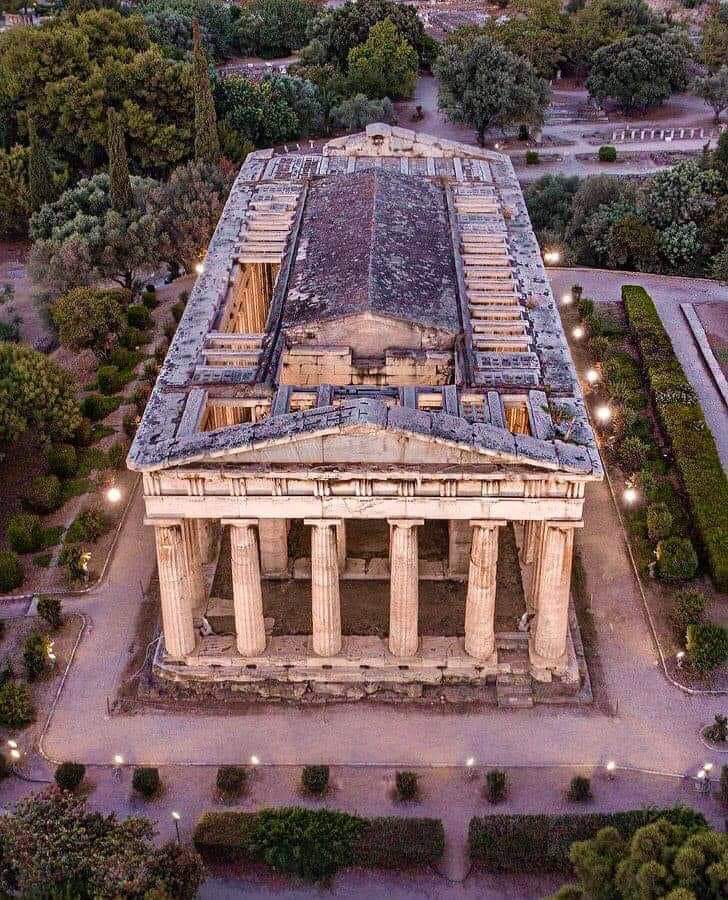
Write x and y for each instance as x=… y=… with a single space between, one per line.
x=376 y=242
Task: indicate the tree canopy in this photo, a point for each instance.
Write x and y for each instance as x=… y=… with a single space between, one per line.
x=385 y=65
x=484 y=85
x=271 y=28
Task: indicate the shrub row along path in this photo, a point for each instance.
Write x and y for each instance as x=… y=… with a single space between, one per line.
x=668 y=292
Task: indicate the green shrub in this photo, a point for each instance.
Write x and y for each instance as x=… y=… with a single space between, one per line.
x=683 y=423
x=16 y=705
x=88 y=525
x=25 y=532
x=312 y=844
x=231 y=780
x=44 y=494
x=532 y=158
x=659 y=521
x=123 y=359
x=69 y=775
x=718 y=731
x=62 y=460
x=580 y=789
x=723 y=792
x=141 y=396
x=607 y=153
x=315 y=779
x=6 y=766
x=109 y=379
x=146 y=781
x=138 y=316
x=398 y=842
x=116 y=454
x=541 y=843
x=406 y=786
x=11 y=570
x=129 y=423
x=178 y=311
x=149 y=299
x=707 y=646
x=132 y=338
x=35 y=655
x=50 y=609
x=688 y=608
x=95 y=407
x=632 y=454
x=676 y=559
x=496 y=785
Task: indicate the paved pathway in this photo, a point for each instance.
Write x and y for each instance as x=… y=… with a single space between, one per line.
x=668 y=292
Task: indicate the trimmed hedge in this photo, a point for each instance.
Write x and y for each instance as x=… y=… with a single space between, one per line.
x=391 y=842
x=541 y=843
x=684 y=426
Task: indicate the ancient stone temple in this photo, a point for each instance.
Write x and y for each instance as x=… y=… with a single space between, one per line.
x=369 y=396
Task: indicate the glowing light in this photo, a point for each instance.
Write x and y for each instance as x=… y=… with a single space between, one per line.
x=567 y=300
x=200 y=268
x=13 y=745
x=254 y=761
x=603 y=414
x=592 y=376
x=552 y=257
x=470 y=762
x=113 y=495
x=15 y=755
x=118 y=760
x=611 y=765
x=630 y=495
x=708 y=767
x=176 y=816
x=702 y=774
x=577 y=332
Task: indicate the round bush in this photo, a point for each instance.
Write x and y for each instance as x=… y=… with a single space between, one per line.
x=25 y=532
x=231 y=780
x=607 y=153
x=496 y=785
x=676 y=559
x=35 y=655
x=50 y=609
x=108 y=379
x=632 y=453
x=149 y=299
x=146 y=781
x=580 y=789
x=138 y=316
x=11 y=570
x=44 y=494
x=132 y=338
x=84 y=435
x=16 y=705
x=707 y=646
x=659 y=521
x=62 y=460
x=407 y=786
x=532 y=158
x=69 y=775
x=688 y=609
x=315 y=779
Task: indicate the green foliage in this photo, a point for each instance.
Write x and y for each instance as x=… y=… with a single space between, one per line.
x=170 y=21
x=359 y=111
x=11 y=570
x=396 y=842
x=496 y=785
x=96 y=407
x=231 y=780
x=35 y=655
x=713 y=88
x=532 y=158
x=146 y=781
x=138 y=316
x=24 y=533
x=681 y=417
x=719 y=266
x=638 y=72
x=484 y=85
x=41 y=186
x=660 y=860
x=659 y=521
x=315 y=779
x=549 y=202
x=50 y=609
x=62 y=460
x=207 y=144
x=16 y=706
x=44 y=494
x=607 y=153
x=88 y=317
x=312 y=844
x=688 y=609
x=120 y=191
x=718 y=732
x=88 y=526
x=14 y=198
x=579 y=790
x=681 y=195
x=714 y=38
x=69 y=775
x=707 y=646
x=36 y=394
x=632 y=453
x=541 y=843
x=385 y=65
x=273 y=28
x=109 y=379
x=53 y=841
x=723 y=790
x=676 y=559
x=406 y=786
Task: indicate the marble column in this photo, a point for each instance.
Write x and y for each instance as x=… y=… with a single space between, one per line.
x=179 y=632
x=247 y=594
x=551 y=585
x=403 y=586
x=482 y=579
x=196 y=586
x=325 y=600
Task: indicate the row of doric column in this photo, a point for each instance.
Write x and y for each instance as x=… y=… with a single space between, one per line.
x=546 y=549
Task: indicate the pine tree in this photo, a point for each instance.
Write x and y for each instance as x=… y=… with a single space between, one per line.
x=41 y=187
x=120 y=184
x=207 y=143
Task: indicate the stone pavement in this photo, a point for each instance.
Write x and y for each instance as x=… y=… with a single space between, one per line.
x=668 y=292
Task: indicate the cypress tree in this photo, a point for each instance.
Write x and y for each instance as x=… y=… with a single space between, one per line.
x=207 y=143
x=41 y=187
x=120 y=183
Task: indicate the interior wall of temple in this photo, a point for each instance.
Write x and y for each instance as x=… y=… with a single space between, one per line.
x=316 y=365
x=249 y=299
x=370 y=335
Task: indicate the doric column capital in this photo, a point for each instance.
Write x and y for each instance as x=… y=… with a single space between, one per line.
x=406 y=523
x=323 y=523
x=240 y=523
x=487 y=523
x=563 y=523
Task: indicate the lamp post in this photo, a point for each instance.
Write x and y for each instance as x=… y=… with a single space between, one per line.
x=175 y=818
x=113 y=495
x=118 y=763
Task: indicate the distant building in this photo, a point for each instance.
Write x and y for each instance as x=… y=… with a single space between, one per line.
x=373 y=343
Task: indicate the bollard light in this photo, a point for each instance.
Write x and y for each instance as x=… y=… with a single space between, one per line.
x=567 y=299
x=200 y=268
x=603 y=414
x=577 y=332
x=254 y=761
x=592 y=376
x=15 y=754
x=630 y=495
x=680 y=657
x=113 y=495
